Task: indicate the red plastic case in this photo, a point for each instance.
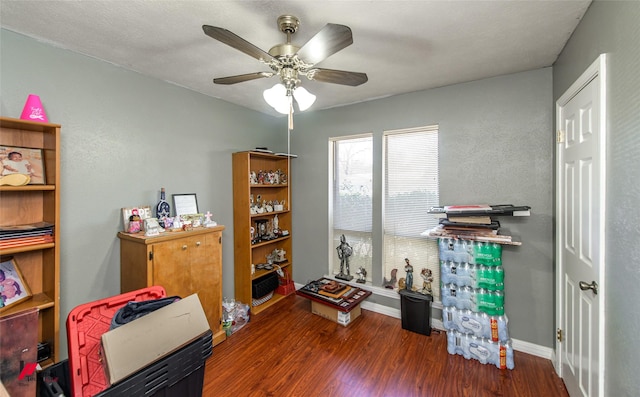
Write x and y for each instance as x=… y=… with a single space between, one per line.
x=85 y=325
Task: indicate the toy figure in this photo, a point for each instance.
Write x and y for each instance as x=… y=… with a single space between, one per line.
x=427 y=276
x=344 y=252
x=362 y=275
x=134 y=222
x=409 y=280
x=391 y=283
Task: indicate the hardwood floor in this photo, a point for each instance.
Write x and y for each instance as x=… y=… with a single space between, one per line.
x=288 y=351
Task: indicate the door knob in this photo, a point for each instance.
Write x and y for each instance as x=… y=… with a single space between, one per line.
x=593 y=286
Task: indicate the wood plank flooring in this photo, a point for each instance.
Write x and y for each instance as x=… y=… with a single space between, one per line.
x=288 y=351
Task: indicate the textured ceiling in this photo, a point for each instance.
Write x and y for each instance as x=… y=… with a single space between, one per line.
x=403 y=46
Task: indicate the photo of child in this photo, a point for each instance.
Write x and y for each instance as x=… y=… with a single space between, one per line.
x=24 y=161
x=12 y=287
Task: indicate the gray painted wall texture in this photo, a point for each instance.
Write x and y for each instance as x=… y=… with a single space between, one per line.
x=124 y=136
x=496 y=146
x=613 y=27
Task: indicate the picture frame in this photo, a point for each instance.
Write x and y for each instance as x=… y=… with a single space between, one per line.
x=13 y=287
x=185 y=204
x=31 y=163
x=144 y=212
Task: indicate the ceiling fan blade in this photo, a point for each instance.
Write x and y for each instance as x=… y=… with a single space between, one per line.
x=339 y=77
x=329 y=40
x=237 y=42
x=241 y=78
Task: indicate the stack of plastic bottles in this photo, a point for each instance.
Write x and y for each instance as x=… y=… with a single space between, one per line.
x=471 y=286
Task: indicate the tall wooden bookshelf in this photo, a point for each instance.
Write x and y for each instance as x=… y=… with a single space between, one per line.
x=39 y=263
x=247 y=251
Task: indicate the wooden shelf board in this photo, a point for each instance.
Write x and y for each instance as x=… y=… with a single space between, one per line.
x=26 y=248
x=34 y=188
x=40 y=301
x=275 y=240
x=276 y=298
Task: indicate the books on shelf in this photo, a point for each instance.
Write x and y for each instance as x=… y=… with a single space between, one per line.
x=476 y=220
x=467 y=208
x=25 y=241
x=480 y=210
x=28 y=234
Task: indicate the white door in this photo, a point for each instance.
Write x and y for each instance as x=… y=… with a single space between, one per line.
x=580 y=220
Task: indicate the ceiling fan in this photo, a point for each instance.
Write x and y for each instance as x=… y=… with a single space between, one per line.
x=289 y=61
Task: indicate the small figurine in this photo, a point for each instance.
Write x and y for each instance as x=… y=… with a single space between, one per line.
x=427 y=276
x=276 y=226
x=362 y=275
x=344 y=252
x=409 y=269
x=134 y=222
x=177 y=223
x=271 y=178
x=253 y=178
x=402 y=284
x=391 y=283
x=280 y=255
x=208 y=222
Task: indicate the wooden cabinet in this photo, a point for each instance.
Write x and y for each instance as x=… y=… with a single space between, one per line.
x=247 y=250
x=39 y=263
x=182 y=262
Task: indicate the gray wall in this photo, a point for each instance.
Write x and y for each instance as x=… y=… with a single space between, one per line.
x=124 y=136
x=612 y=27
x=496 y=146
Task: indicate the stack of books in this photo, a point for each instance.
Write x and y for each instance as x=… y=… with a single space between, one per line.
x=473 y=221
x=24 y=235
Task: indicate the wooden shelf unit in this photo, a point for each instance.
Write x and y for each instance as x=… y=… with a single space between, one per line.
x=38 y=263
x=246 y=253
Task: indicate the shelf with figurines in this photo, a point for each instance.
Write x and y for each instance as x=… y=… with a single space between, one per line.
x=276 y=261
x=267 y=231
x=271 y=178
x=260 y=205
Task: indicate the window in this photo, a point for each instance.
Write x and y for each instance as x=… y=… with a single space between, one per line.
x=410 y=186
x=352 y=200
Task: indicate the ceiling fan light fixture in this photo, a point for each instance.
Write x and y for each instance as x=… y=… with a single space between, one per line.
x=304 y=98
x=276 y=97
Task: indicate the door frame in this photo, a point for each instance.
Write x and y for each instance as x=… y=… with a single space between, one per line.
x=597 y=69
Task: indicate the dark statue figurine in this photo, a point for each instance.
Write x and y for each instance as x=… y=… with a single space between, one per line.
x=409 y=269
x=362 y=275
x=344 y=252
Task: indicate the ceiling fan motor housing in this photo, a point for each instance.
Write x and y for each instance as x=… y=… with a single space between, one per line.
x=288 y=24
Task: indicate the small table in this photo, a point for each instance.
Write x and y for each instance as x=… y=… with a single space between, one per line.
x=344 y=302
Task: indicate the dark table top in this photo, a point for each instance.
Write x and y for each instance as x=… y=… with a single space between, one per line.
x=345 y=303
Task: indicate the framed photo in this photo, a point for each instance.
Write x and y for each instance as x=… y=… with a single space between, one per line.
x=25 y=161
x=185 y=204
x=13 y=288
x=144 y=212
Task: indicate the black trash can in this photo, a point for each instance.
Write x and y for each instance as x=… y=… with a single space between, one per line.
x=416 y=311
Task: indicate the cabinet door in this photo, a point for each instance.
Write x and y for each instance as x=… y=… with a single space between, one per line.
x=171 y=266
x=206 y=275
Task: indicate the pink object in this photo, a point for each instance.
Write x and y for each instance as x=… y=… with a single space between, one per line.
x=33 y=110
